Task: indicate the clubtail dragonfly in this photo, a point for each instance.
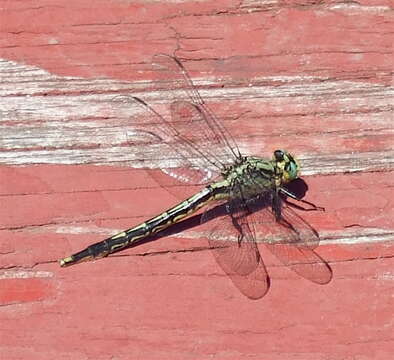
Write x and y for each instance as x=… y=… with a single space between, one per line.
x=250 y=191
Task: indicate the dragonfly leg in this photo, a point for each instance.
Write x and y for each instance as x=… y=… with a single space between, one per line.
x=276 y=206
x=295 y=197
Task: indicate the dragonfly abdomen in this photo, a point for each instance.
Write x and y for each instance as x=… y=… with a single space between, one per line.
x=149 y=227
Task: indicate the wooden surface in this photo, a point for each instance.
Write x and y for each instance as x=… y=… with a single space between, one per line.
x=314 y=77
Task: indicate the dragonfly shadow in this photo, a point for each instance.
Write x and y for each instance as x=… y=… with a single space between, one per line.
x=292 y=240
x=298 y=186
x=187 y=224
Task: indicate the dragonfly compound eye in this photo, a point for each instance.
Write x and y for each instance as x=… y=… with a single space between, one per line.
x=291 y=170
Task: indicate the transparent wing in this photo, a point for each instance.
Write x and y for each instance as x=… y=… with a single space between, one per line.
x=194 y=146
x=232 y=240
x=209 y=130
x=292 y=240
x=203 y=141
x=180 y=161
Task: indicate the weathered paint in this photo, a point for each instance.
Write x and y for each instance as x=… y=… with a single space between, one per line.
x=315 y=78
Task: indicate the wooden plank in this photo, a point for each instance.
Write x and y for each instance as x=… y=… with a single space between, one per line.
x=312 y=77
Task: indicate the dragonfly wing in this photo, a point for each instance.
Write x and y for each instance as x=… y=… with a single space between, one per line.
x=232 y=241
x=171 y=68
x=194 y=144
x=292 y=240
x=303 y=261
x=181 y=163
x=203 y=141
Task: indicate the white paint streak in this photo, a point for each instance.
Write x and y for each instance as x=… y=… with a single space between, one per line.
x=83 y=123
x=21 y=274
x=386 y=276
x=83 y=230
x=351 y=162
x=355 y=235
x=357 y=8
x=257 y=4
x=209 y=175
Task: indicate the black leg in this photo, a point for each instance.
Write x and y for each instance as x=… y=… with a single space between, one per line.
x=295 y=197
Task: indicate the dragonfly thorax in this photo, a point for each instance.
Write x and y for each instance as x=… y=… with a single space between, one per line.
x=250 y=177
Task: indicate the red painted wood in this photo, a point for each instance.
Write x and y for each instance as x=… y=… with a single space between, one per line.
x=313 y=77
x=19 y=291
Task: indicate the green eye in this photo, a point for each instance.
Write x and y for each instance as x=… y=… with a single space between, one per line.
x=291 y=168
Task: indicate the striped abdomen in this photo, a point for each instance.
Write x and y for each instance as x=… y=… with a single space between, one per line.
x=149 y=227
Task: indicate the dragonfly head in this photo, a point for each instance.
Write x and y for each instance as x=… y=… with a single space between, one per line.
x=287 y=166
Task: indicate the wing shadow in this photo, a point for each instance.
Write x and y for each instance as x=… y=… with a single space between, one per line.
x=292 y=240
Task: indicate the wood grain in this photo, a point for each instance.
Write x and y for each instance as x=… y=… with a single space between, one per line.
x=314 y=77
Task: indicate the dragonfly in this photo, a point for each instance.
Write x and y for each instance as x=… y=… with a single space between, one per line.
x=246 y=198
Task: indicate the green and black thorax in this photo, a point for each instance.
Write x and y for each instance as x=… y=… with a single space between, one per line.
x=250 y=176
